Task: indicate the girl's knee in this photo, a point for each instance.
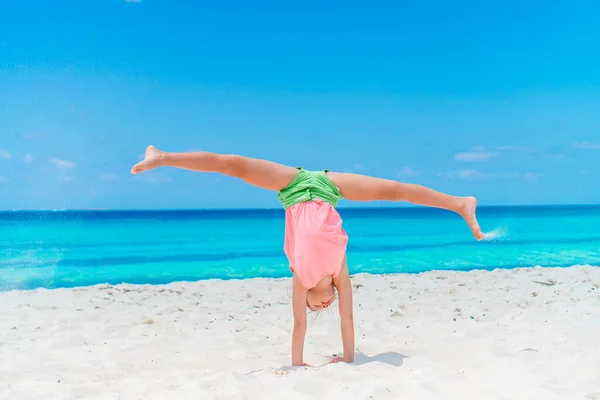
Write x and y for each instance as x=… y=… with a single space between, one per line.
x=394 y=191
x=232 y=165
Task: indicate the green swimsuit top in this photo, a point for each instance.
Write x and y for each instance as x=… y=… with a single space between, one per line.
x=308 y=186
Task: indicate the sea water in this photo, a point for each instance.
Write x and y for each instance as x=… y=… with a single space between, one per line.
x=77 y=248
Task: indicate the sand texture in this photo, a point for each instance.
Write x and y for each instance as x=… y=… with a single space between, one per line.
x=503 y=334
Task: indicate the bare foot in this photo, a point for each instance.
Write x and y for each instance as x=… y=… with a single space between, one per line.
x=152 y=159
x=466 y=209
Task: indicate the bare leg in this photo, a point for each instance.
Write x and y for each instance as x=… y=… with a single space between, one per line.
x=366 y=188
x=262 y=173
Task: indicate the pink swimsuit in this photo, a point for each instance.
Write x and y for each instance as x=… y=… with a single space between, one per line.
x=315 y=242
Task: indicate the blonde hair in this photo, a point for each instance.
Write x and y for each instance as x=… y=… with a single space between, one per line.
x=319 y=312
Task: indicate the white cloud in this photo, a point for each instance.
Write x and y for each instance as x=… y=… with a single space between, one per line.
x=587 y=145
x=531 y=175
x=475 y=174
x=471 y=173
x=28 y=158
x=358 y=167
x=5 y=155
x=518 y=149
x=464 y=174
x=155 y=177
x=582 y=172
x=408 y=171
x=3 y=179
x=508 y=175
x=480 y=153
x=475 y=156
x=109 y=177
x=66 y=178
x=62 y=164
x=477 y=153
x=517 y=175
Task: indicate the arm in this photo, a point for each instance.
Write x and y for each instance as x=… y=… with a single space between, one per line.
x=299 y=307
x=344 y=287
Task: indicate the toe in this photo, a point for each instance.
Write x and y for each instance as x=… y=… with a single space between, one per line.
x=137 y=168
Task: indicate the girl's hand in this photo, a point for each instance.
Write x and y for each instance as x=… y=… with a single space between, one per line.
x=336 y=360
x=301 y=365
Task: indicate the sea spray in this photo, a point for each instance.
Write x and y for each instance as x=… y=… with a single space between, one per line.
x=499 y=234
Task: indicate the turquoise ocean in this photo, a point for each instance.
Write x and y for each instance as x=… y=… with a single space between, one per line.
x=53 y=249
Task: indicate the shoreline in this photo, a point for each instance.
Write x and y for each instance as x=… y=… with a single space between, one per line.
x=521 y=334
x=284 y=278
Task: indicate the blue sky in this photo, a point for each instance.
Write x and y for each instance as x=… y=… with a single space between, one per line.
x=494 y=99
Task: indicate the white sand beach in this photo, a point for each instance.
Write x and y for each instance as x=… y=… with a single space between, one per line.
x=505 y=334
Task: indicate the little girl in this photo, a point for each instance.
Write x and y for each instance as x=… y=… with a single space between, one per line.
x=315 y=242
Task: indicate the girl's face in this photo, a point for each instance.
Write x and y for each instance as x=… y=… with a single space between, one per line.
x=320 y=297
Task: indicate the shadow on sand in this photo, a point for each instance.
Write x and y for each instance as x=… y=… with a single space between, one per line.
x=391 y=357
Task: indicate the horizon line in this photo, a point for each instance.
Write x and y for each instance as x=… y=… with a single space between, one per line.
x=280 y=208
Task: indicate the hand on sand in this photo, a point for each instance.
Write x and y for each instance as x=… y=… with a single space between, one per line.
x=336 y=360
x=152 y=159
